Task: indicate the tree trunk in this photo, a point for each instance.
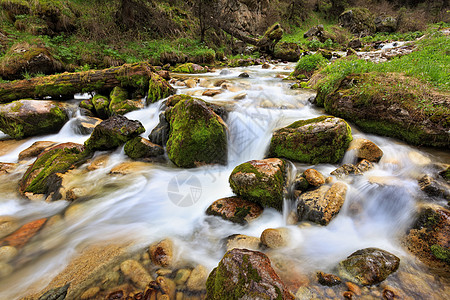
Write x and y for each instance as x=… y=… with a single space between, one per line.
x=131 y=76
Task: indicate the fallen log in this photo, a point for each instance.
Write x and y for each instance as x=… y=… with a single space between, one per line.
x=63 y=86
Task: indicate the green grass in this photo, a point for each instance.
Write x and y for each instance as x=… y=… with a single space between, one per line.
x=430 y=63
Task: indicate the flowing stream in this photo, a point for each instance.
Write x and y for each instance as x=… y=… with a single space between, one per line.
x=158 y=200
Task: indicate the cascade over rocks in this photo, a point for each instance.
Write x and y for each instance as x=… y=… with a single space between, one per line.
x=319 y=140
x=260 y=181
x=197 y=135
x=368 y=266
x=243 y=272
x=56 y=159
x=322 y=204
x=25 y=118
x=112 y=133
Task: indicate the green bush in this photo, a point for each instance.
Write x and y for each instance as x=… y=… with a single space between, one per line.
x=309 y=63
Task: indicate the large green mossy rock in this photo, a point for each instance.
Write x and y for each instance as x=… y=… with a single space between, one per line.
x=112 y=133
x=368 y=266
x=245 y=274
x=190 y=68
x=101 y=106
x=120 y=104
x=358 y=20
x=319 y=140
x=197 y=135
x=141 y=148
x=57 y=159
x=158 y=89
x=287 y=51
x=260 y=181
x=25 y=118
x=390 y=105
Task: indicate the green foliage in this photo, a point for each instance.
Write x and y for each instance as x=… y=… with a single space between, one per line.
x=308 y=63
x=395 y=36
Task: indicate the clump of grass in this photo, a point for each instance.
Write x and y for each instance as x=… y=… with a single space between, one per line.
x=429 y=63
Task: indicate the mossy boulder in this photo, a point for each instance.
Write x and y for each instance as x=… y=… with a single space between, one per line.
x=27 y=58
x=319 y=140
x=101 y=106
x=391 y=105
x=158 y=89
x=25 y=118
x=368 y=266
x=243 y=274
x=235 y=209
x=358 y=20
x=287 y=51
x=197 y=135
x=120 y=104
x=386 y=24
x=260 y=181
x=141 y=148
x=190 y=68
x=57 y=159
x=322 y=204
x=429 y=237
x=112 y=133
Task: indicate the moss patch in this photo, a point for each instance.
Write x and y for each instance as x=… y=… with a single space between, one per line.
x=158 y=89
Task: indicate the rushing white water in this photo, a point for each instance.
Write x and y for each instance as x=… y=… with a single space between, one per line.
x=164 y=201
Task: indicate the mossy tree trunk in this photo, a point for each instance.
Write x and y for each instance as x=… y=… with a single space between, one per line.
x=131 y=76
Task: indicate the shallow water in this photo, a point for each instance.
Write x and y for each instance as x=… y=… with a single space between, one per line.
x=160 y=200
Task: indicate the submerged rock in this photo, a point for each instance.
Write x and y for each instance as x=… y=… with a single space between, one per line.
x=161 y=253
x=8 y=225
x=351 y=169
x=24 y=234
x=112 y=133
x=328 y=279
x=244 y=273
x=319 y=140
x=235 y=209
x=136 y=272
x=35 y=149
x=275 y=237
x=366 y=149
x=197 y=135
x=139 y=148
x=369 y=266
x=57 y=159
x=24 y=118
x=242 y=241
x=322 y=204
x=260 y=181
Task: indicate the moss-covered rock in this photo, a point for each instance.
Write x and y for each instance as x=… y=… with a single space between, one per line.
x=190 y=68
x=358 y=20
x=260 y=181
x=138 y=148
x=87 y=104
x=243 y=274
x=113 y=132
x=235 y=209
x=197 y=135
x=101 y=106
x=28 y=58
x=120 y=104
x=24 y=118
x=390 y=105
x=319 y=140
x=287 y=51
x=386 y=24
x=429 y=238
x=368 y=266
x=56 y=159
x=158 y=89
